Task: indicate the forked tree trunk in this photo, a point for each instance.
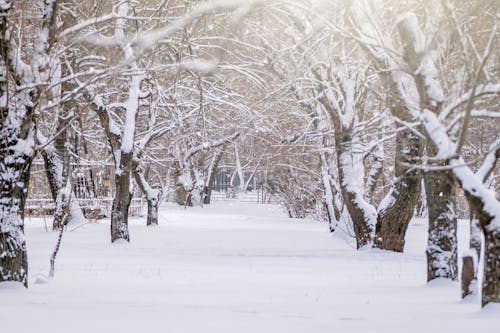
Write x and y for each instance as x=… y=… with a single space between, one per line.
x=396 y=209
x=442 y=237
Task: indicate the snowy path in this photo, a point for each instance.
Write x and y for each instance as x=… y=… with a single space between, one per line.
x=231 y=268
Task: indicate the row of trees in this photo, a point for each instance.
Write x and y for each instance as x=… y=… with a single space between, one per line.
x=339 y=109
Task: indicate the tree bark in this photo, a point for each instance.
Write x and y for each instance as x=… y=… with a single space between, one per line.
x=487 y=221
x=13 y=191
x=152 y=195
x=396 y=209
x=17 y=138
x=363 y=215
x=121 y=201
x=468 y=276
x=57 y=167
x=332 y=211
x=491 y=276
x=442 y=237
x=212 y=175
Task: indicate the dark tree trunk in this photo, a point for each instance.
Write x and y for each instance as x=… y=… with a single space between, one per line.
x=211 y=180
x=13 y=192
x=491 y=276
x=15 y=167
x=396 y=210
x=442 y=237
x=121 y=202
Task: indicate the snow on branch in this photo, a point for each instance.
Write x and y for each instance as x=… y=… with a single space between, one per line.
x=489 y=161
x=148 y=40
x=212 y=144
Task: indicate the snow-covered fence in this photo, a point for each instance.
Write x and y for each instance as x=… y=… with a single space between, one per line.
x=249 y=197
x=92 y=207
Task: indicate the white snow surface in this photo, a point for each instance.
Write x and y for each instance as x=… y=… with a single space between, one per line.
x=233 y=267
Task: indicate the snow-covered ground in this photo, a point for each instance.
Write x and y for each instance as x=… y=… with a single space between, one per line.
x=231 y=267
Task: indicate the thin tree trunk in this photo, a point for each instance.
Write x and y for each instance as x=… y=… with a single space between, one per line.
x=396 y=209
x=332 y=212
x=56 y=158
x=212 y=174
x=152 y=195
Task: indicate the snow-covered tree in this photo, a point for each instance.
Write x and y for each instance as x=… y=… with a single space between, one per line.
x=23 y=72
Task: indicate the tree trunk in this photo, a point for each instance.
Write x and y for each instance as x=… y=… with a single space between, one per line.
x=491 y=276
x=332 y=212
x=15 y=167
x=396 y=209
x=468 y=276
x=212 y=175
x=363 y=215
x=152 y=218
x=57 y=167
x=121 y=202
x=152 y=195
x=442 y=237
x=488 y=221
x=469 y=272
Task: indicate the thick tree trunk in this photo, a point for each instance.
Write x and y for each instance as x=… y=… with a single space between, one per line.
x=396 y=209
x=363 y=214
x=442 y=237
x=491 y=276
x=15 y=167
x=121 y=202
x=488 y=222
